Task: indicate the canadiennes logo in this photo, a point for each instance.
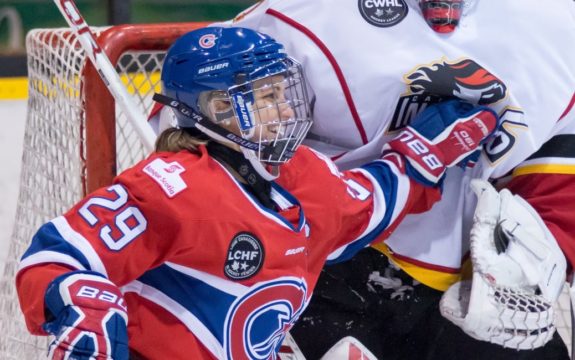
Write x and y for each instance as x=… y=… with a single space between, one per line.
x=383 y=13
x=207 y=41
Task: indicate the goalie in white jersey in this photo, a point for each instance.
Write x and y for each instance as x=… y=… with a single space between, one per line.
x=372 y=66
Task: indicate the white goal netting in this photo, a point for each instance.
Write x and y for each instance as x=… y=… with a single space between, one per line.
x=59 y=161
x=56 y=164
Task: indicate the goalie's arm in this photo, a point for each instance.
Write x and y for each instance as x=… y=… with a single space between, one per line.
x=553 y=197
x=547 y=182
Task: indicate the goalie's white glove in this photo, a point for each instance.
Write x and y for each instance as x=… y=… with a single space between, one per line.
x=511 y=244
x=515 y=259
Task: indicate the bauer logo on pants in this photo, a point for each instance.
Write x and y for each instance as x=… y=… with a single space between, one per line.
x=245 y=257
x=383 y=13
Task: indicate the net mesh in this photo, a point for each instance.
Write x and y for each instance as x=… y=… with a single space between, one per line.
x=54 y=167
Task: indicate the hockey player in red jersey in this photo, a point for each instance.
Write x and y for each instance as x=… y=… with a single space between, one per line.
x=372 y=67
x=212 y=246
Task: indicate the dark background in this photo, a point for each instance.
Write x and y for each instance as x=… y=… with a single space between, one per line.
x=17 y=17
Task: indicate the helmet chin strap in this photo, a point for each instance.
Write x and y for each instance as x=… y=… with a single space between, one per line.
x=256 y=182
x=248 y=154
x=260 y=168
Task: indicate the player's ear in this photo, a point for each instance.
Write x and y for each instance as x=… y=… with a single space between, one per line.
x=219 y=105
x=220 y=111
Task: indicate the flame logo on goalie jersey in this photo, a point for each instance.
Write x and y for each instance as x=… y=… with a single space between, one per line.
x=428 y=84
x=258 y=321
x=465 y=79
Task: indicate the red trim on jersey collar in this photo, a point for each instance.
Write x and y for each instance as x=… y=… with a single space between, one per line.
x=334 y=65
x=569 y=107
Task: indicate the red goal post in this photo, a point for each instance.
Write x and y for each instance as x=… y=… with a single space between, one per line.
x=100 y=106
x=76 y=139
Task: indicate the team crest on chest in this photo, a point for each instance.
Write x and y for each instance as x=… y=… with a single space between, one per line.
x=245 y=257
x=383 y=13
x=258 y=321
x=429 y=84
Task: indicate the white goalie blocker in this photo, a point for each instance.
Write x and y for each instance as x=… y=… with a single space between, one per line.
x=518 y=273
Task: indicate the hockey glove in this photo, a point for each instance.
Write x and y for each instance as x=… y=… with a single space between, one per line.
x=515 y=258
x=89 y=318
x=442 y=136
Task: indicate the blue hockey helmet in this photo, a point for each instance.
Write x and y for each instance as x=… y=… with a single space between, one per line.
x=238 y=63
x=216 y=58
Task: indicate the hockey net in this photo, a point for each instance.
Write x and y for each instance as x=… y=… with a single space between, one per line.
x=75 y=140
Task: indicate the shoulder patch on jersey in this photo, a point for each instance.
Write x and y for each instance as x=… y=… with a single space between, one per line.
x=383 y=13
x=167 y=175
x=245 y=257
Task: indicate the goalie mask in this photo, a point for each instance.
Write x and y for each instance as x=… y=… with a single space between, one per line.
x=442 y=16
x=239 y=87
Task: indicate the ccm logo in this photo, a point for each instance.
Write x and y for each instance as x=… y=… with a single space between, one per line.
x=103 y=295
x=420 y=149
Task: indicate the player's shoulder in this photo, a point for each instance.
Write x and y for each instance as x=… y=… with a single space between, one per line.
x=309 y=163
x=168 y=175
x=305 y=153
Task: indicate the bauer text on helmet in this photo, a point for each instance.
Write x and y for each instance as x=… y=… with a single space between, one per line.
x=253 y=94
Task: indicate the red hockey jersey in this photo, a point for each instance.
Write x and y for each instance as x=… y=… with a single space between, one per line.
x=206 y=270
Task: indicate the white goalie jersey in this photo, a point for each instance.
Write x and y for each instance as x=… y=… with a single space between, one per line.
x=373 y=65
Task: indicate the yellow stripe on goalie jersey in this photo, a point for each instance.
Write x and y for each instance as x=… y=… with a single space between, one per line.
x=544 y=169
x=435 y=279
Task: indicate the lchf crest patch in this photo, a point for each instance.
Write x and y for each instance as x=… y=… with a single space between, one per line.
x=383 y=13
x=245 y=257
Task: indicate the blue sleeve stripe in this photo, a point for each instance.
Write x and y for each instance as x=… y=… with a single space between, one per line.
x=57 y=237
x=389 y=201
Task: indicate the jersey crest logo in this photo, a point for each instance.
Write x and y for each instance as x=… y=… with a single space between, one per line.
x=167 y=175
x=245 y=257
x=207 y=41
x=383 y=13
x=258 y=321
x=464 y=79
